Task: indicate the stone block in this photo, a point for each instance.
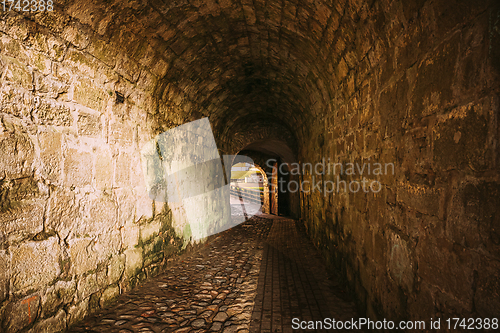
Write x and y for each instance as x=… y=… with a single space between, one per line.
x=74 y=34
x=487 y=295
x=23 y=189
x=57 y=295
x=82 y=254
x=17 y=155
x=40 y=63
x=13 y=102
x=136 y=172
x=89 y=125
x=21 y=313
x=17 y=72
x=21 y=208
x=433 y=87
x=109 y=295
x=85 y=64
x=103 y=51
x=62 y=212
x=14 y=48
x=400 y=263
x=342 y=69
x=461 y=141
x=122 y=171
x=87 y=94
x=126 y=206
x=393 y=105
x=51 y=85
x=133 y=262
x=422 y=198
x=108 y=244
x=35 y=264
x=441 y=263
x=56 y=324
x=474 y=216
x=94 y=302
x=130 y=235
x=4 y=273
x=22 y=219
x=49 y=45
x=87 y=285
x=122 y=133
x=77 y=312
x=77 y=168
x=150 y=230
x=52 y=113
x=104 y=169
x=98 y=214
x=128 y=68
x=101 y=274
x=50 y=154
x=115 y=268
x=160 y=68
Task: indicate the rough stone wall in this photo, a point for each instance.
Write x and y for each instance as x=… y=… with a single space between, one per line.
x=418 y=86
x=76 y=224
x=413 y=83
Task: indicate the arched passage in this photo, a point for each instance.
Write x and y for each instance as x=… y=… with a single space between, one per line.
x=413 y=83
x=259 y=191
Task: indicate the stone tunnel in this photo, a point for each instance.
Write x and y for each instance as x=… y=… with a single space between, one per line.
x=335 y=90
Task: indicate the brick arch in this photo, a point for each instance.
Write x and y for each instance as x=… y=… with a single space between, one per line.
x=266 y=205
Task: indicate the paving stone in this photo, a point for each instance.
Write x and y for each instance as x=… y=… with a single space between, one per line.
x=198 y=323
x=183 y=330
x=274 y=265
x=231 y=329
x=220 y=316
x=206 y=314
x=217 y=326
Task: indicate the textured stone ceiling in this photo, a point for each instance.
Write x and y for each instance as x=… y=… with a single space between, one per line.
x=283 y=64
x=280 y=63
x=227 y=59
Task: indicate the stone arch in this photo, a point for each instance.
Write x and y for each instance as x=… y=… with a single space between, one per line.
x=265 y=184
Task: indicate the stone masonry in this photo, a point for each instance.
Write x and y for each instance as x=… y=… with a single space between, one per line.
x=414 y=83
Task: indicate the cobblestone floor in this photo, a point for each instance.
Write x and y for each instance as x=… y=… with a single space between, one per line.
x=255 y=277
